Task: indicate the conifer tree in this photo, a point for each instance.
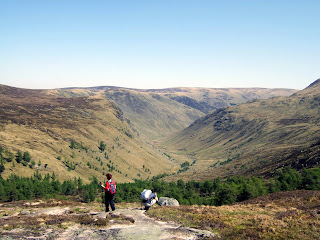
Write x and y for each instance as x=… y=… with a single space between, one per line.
x=19 y=157
x=26 y=157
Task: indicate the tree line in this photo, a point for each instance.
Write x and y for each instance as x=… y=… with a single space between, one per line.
x=214 y=192
x=219 y=192
x=25 y=188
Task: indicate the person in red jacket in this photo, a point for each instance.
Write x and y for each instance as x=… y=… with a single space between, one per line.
x=110 y=190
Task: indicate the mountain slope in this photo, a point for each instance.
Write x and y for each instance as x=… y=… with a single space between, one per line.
x=155 y=116
x=63 y=135
x=157 y=113
x=254 y=138
x=62 y=128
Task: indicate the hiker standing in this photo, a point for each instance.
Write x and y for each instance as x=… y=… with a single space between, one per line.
x=110 y=190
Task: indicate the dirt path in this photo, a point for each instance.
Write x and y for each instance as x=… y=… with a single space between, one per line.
x=68 y=222
x=143 y=228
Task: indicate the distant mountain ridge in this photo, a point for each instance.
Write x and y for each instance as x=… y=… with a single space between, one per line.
x=157 y=113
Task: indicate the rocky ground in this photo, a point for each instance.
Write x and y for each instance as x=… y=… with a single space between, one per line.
x=53 y=219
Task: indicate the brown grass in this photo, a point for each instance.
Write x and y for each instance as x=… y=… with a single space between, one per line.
x=291 y=215
x=36 y=222
x=257 y=137
x=44 y=125
x=39 y=203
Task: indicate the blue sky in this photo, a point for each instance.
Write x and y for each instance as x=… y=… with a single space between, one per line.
x=159 y=44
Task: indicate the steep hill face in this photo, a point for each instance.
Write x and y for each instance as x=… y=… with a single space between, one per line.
x=64 y=135
x=312 y=89
x=157 y=113
x=155 y=116
x=254 y=138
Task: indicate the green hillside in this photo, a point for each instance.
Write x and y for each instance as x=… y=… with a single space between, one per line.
x=253 y=138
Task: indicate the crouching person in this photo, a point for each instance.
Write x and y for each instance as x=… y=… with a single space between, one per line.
x=110 y=190
x=148 y=198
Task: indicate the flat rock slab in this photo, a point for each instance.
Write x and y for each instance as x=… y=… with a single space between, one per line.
x=145 y=228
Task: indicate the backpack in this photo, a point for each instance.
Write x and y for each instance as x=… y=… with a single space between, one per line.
x=111 y=187
x=145 y=195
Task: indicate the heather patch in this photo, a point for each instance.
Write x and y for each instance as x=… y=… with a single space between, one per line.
x=292 y=215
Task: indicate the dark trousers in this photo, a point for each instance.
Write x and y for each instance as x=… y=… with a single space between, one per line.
x=109 y=201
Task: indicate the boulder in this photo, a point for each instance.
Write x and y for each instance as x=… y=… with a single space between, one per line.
x=165 y=201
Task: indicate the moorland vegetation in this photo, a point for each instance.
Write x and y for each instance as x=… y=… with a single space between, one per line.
x=59 y=144
x=281 y=215
x=252 y=139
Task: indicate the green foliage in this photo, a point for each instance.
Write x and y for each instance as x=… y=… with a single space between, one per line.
x=227 y=193
x=218 y=192
x=226 y=162
x=230 y=160
x=89 y=165
x=289 y=179
x=128 y=134
x=68 y=187
x=102 y=146
x=37 y=186
x=185 y=164
x=184 y=167
x=6 y=155
x=311 y=179
x=111 y=167
x=89 y=194
x=70 y=165
x=77 y=145
x=33 y=163
x=19 y=157
x=167 y=155
x=26 y=157
x=73 y=145
x=210 y=192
